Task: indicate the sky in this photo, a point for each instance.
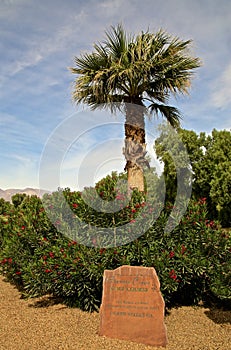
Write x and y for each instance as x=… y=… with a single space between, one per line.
x=38 y=43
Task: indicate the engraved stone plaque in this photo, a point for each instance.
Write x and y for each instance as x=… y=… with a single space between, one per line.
x=132 y=306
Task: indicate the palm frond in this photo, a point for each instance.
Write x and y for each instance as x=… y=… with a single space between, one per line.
x=116 y=41
x=172 y=114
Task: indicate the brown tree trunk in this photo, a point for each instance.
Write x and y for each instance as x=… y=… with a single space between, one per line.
x=135 y=147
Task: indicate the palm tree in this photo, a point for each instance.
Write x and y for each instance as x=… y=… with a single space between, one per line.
x=137 y=73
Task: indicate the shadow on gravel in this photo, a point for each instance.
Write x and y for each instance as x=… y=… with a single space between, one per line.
x=219 y=316
x=47 y=301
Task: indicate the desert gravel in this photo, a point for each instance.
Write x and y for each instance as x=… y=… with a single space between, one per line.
x=39 y=324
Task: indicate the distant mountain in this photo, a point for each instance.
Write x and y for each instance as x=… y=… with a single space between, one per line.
x=7 y=194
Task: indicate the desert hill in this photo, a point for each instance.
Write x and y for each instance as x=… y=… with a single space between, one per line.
x=7 y=194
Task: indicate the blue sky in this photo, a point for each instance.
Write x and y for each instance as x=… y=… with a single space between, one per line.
x=38 y=42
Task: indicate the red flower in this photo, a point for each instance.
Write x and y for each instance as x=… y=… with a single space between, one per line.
x=4 y=261
x=211 y=224
x=48 y=270
x=51 y=255
x=133 y=210
x=171 y=254
x=23 y=227
x=75 y=205
x=202 y=200
x=183 y=249
x=10 y=260
x=102 y=250
x=120 y=196
x=172 y=275
x=18 y=272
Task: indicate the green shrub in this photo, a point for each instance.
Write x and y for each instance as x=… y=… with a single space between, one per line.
x=17 y=199
x=26 y=227
x=192 y=261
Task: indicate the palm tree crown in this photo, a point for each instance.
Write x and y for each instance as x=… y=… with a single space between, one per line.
x=144 y=70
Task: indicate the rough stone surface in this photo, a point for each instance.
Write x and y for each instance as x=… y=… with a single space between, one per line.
x=132 y=306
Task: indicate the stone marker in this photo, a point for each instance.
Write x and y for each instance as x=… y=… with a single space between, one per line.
x=132 y=306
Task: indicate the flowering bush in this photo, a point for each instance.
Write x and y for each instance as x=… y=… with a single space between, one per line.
x=192 y=261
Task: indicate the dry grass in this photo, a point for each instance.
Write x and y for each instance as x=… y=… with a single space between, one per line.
x=42 y=324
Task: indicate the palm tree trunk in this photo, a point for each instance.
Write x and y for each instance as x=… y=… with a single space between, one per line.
x=135 y=146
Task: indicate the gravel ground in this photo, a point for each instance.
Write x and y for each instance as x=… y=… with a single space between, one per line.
x=39 y=324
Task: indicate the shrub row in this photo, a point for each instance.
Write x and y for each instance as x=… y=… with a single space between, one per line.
x=55 y=246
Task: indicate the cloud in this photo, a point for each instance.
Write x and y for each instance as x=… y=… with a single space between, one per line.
x=88 y=166
x=19 y=175
x=15 y=130
x=36 y=52
x=221 y=89
x=82 y=142
x=19 y=168
x=33 y=34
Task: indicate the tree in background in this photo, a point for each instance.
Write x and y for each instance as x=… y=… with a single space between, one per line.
x=18 y=198
x=210 y=158
x=135 y=73
x=214 y=174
